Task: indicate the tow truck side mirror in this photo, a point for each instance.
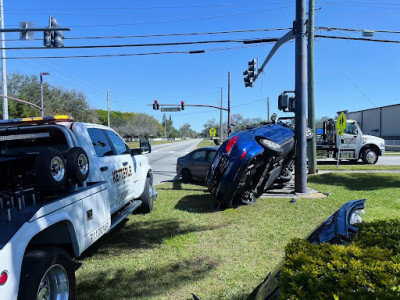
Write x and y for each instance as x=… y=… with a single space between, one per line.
x=145 y=146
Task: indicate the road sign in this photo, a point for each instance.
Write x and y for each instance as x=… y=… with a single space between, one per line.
x=170 y=109
x=341 y=122
x=213 y=132
x=340 y=131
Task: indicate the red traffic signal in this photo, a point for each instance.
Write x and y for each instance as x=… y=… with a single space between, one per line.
x=156 y=106
x=182 y=105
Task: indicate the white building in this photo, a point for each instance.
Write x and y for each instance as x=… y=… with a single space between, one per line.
x=382 y=121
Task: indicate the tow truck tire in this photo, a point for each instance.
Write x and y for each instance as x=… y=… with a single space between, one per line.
x=47 y=274
x=146 y=197
x=77 y=165
x=51 y=173
x=369 y=157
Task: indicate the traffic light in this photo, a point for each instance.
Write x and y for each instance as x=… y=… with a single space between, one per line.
x=156 y=106
x=250 y=73
x=182 y=105
x=53 y=38
x=47 y=39
x=58 y=35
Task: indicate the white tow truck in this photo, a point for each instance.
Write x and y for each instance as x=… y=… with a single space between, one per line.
x=353 y=144
x=63 y=185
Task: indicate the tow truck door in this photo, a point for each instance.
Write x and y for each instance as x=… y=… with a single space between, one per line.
x=351 y=138
x=115 y=166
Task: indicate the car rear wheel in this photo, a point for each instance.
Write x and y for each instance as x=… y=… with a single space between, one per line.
x=186 y=175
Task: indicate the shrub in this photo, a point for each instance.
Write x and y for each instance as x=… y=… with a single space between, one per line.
x=369 y=268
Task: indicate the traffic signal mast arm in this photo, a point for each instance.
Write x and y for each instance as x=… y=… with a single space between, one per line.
x=286 y=38
x=34 y=29
x=195 y=105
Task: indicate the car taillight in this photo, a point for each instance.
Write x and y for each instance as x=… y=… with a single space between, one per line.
x=243 y=154
x=230 y=144
x=3 y=277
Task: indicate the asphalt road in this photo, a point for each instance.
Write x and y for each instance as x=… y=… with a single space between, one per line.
x=163 y=159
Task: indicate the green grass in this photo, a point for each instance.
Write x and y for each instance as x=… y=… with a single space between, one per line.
x=185 y=247
x=205 y=143
x=358 y=167
x=392 y=153
x=136 y=144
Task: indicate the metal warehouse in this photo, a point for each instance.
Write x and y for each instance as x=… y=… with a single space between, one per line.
x=382 y=121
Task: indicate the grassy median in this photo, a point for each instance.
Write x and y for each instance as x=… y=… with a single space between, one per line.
x=184 y=246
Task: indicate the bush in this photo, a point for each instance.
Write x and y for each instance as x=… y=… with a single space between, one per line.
x=369 y=268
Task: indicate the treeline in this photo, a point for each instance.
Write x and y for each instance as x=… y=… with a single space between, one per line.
x=58 y=100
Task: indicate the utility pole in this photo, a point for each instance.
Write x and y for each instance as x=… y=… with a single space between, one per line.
x=300 y=110
x=300 y=87
x=220 y=122
x=312 y=148
x=268 y=108
x=229 y=103
x=108 y=108
x=3 y=63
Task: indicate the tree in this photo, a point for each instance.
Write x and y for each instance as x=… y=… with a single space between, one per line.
x=167 y=123
x=56 y=100
x=185 y=131
x=141 y=125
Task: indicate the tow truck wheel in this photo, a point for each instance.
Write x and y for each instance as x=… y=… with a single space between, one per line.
x=77 y=164
x=47 y=274
x=146 y=197
x=51 y=174
x=369 y=157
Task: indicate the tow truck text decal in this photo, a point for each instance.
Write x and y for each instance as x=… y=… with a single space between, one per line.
x=122 y=174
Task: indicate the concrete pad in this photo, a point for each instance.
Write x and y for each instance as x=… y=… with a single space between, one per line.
x=287 y=191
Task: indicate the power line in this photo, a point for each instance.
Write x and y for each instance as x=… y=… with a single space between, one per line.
x=357 y=30
x=348 y=76
x=152 y=7
x=133 y=54
x=244 y=41
x=356 y=39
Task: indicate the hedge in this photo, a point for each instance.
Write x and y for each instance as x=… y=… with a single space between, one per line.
x=367 y=268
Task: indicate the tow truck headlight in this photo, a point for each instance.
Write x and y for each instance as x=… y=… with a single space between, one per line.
x=270 y=144
x=355 y=217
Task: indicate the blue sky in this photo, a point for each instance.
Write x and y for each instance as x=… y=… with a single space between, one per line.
x=352 y=75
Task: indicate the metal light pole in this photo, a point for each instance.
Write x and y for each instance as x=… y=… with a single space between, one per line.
x=299 y=28
x=221 y=134
x=312 y=148
x=41 y=90
x=3 y=63
x=229 y=103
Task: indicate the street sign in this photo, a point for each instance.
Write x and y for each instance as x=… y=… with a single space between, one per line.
x=213 y=132
x=341 y=124
x=170 y=109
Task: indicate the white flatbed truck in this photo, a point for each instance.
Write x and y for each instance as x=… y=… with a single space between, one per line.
x=353 y=144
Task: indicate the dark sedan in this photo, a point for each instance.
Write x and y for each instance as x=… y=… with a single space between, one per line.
x=195 y=164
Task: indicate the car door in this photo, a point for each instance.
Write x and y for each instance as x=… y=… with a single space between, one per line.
x=199 y=164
